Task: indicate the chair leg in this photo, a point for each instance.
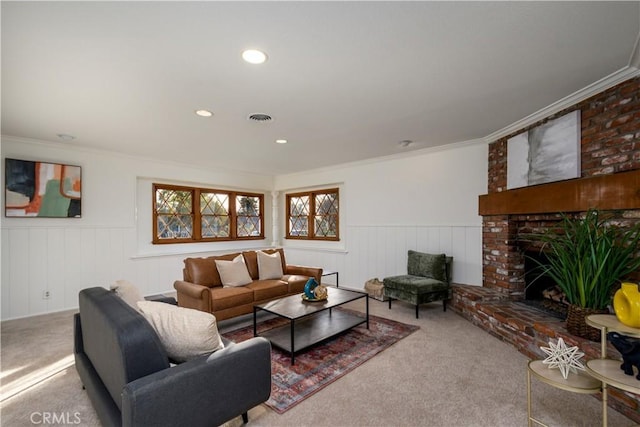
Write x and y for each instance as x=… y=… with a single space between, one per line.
x=417 y=310
x=390 y=303
x=444 y=305
x=245 y=418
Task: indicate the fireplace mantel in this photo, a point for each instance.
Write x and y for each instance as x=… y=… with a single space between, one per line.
x=605 y=192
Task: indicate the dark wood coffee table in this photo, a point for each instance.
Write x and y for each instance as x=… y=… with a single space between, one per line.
x=310 y=322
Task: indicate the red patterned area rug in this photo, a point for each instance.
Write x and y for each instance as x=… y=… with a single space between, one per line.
x=322 y=364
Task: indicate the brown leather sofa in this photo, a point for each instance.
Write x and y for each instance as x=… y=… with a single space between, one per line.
x=201 y=287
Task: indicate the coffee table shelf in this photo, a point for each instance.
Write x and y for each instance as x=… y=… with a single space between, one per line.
x=312 y=330
x=310 y=322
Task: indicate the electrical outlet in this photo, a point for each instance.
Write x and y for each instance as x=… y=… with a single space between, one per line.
x=46 y=295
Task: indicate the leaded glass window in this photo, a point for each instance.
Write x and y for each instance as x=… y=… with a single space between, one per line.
x=186 y=214
x=313 y=215
x=174 y=214
x=249 y=221
x=214 y=215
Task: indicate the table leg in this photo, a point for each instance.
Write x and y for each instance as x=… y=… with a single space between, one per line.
x=293 y=349
x=366 y=298
x=603 y=355
x=604 y=404
x=255 y=329
x=529 y=397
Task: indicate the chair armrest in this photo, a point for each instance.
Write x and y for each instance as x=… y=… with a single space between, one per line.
x=206 y=391
x=194 y=296
x=314 y=272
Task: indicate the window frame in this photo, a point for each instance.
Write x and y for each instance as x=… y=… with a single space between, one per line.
x=197 y=214
x=312 y=214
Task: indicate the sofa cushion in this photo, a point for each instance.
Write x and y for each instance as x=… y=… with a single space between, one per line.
x=269 y=265
x=185 y=333
x=427 y=265
x=203 y=271
x=128 y=292
x=251 y=259
x=234 y=272
x=296 y=282
x=268 y=289
x=414 y=284
x=223 y=298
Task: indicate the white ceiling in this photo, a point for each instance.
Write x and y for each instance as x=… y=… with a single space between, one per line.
x=345 y=81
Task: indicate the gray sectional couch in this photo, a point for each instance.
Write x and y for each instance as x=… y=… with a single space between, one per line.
x=127 y=375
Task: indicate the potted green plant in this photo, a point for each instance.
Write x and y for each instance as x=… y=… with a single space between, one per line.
x=587 y=256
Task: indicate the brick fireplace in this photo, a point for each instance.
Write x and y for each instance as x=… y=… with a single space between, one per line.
x=610 y=181
x=507 y=238
x=610 y=161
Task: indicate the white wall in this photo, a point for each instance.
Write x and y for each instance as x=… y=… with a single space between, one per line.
x=111 y=240
x=426 y=201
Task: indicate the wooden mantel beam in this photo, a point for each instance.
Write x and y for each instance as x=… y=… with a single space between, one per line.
x=605 y=192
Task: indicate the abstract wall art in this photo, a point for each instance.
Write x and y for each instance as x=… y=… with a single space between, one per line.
x=549 y=152
x=39 y=189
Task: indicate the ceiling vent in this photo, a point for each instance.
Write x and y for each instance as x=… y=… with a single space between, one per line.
x=260 y=118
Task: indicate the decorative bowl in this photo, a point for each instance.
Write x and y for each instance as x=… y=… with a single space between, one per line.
x=306 y=298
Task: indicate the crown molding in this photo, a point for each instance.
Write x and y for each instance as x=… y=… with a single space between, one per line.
x=390 y=157
x=634 y=61
x=601 y=85
x=74 y=146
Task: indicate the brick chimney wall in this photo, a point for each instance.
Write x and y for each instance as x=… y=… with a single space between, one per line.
x=610 y=143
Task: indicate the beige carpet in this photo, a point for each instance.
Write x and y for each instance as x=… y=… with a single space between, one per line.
x=448 y=373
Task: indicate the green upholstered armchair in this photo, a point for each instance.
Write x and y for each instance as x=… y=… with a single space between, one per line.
x=428 y=279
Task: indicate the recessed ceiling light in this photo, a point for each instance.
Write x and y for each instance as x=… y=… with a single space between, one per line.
x=204 y=113
x=281 y=141
x=66 y=137
x=253 y=56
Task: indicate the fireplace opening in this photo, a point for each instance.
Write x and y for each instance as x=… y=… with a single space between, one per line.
x=542 y=292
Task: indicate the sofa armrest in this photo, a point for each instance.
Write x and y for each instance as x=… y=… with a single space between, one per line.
x=314 y=272
x=206 y=391
x=78 y=344
x=194 y=296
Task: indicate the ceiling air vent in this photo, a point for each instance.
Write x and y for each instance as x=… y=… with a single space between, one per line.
x=260 y=118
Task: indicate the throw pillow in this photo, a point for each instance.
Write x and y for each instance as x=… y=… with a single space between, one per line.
x=269 y=265
x=128 y=292
x=185 y=333
x=427 y=265
x=233 y=273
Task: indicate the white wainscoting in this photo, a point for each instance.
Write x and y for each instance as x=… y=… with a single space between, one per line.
x=64 y=260
x=381 y=251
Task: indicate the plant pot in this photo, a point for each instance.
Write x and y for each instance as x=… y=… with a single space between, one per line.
x=626 y=304
x=577 y=325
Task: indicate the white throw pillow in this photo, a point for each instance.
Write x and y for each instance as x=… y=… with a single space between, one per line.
x=185 y=333
x=128 y=292
x=234 y=273
x=269 y=265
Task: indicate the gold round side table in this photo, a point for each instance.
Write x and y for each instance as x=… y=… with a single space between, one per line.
x=608 y=370
x=580 y=382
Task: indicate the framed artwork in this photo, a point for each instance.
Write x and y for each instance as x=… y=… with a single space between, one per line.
x=44 y=190
x=549 y=152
